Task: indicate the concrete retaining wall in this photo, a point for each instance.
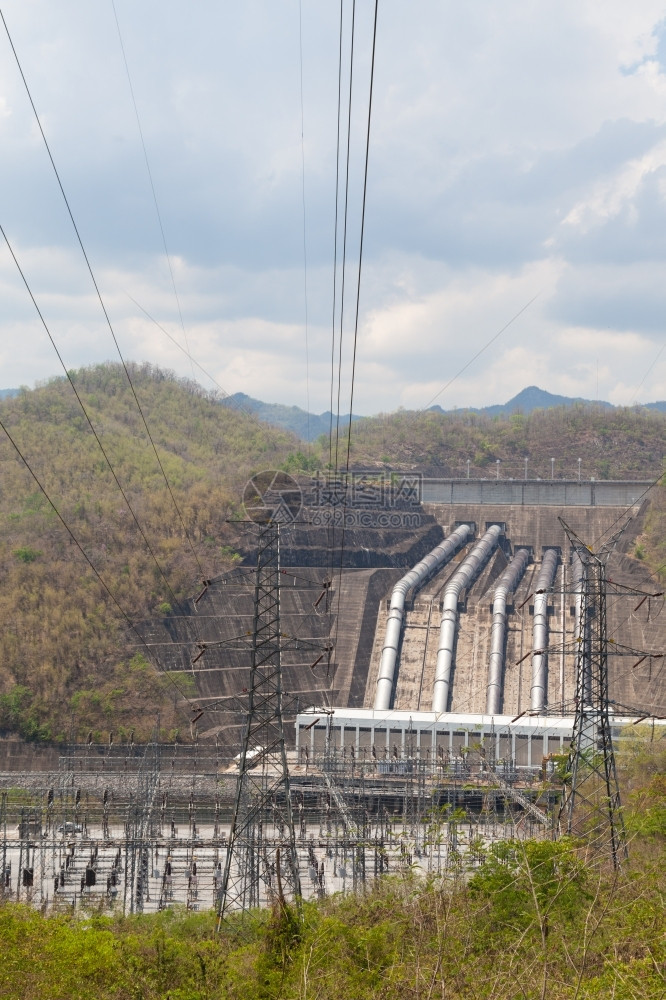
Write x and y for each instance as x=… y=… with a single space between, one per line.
x=548 y=493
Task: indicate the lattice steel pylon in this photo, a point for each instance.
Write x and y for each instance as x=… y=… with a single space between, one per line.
x=591 y=806
x=262 y=863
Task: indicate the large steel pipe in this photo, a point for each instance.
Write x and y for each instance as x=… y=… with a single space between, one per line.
x=544 y=583
x=506 y=585
x=416 y=577
x=460 y=580
x=582 y=622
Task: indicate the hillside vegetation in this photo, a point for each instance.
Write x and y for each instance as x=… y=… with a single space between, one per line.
x=612 y=444
x=68 y=661
x=537 y=920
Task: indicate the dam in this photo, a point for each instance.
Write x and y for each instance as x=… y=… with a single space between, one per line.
x=471 y=612
x=428 y=693
x=485 y=638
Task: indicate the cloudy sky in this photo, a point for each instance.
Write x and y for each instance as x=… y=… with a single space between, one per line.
x=518 y=153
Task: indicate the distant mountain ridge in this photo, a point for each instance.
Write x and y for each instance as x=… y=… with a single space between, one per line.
x=295 y=419
x=309 y=427
x=291 y=418
x=533 y=398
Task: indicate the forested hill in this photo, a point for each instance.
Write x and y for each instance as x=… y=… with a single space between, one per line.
x=65 y=657
x=612 y=444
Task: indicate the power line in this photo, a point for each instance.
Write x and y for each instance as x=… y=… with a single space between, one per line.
x=626 y=511
x=654 y=574
x=635 y=392
x=336 y=464
x=150 y=177
x=305 y=251
x=71 y=534
x=228 y=397
x=358 y=295
x=360 y=252
x=99 y=295
x=335 y=241
x=330 y=532
x=478 y=354
x=330 y=529
x=344 y=236
x=412 y=418
x=87 y=416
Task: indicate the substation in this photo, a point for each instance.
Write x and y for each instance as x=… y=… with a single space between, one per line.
x=401 y=707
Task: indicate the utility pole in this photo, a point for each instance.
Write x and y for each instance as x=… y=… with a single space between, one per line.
x=591 y=805
x=262 y=862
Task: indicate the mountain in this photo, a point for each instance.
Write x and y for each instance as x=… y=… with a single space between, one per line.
x=68 y=652
x=69 y=656
x=612 y=443
x=308 y=426
x=533 y=398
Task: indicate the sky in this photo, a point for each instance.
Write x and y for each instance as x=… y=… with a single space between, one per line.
x=516 y=183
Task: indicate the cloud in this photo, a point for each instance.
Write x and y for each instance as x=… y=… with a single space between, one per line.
x=514 y=150
x=612 y=297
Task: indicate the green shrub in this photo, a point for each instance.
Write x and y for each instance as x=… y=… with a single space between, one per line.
x=26 y=554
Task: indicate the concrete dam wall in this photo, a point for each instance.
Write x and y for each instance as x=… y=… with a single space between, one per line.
x=641 y=687
x=352 y=614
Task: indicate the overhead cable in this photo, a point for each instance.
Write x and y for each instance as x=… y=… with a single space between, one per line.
x=330 y=532
x=305 y=250
x=228 y=397
x=360 y=250
x=344 y=237
x=150 y=178
x=90 y=423
x=335 y=243
x=358 y=294
x=85 y=555
x=478 y=354
x=99 y=296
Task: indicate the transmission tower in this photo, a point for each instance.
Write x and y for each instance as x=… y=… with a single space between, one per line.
x=591 y=802
x=262 y=862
